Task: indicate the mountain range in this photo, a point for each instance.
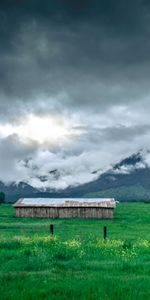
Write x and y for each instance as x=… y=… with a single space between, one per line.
x=128 y=180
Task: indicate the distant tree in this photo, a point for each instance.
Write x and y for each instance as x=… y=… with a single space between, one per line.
x=2 y=197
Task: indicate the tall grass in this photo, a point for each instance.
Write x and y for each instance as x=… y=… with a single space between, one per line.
x=75 y=263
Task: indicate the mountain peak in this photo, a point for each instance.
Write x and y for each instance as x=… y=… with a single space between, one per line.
x=131 y=160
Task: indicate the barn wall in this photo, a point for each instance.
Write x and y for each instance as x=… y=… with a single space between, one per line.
x=65 y=212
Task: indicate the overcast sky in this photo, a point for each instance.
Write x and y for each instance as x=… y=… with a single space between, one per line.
x=74 y=88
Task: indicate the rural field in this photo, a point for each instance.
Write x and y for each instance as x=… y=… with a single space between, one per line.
x=76 y=263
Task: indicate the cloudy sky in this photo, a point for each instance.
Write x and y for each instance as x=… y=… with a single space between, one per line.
x=74 y=88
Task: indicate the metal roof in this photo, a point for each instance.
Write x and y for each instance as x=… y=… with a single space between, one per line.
x=66 y=202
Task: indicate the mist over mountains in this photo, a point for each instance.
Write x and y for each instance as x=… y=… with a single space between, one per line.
x=128 y=180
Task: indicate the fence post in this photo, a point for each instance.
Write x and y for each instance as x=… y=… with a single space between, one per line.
x=105 y=233
x=51 y=229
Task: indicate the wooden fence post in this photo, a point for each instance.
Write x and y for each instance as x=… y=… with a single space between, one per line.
x=51 y=229
x=105 y=233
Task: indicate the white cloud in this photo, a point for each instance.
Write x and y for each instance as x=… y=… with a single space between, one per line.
x=94 y=143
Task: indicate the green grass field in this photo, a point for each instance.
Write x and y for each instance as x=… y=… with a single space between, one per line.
x=76 y=263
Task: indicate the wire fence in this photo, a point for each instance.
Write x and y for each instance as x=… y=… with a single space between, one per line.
x=63 y=231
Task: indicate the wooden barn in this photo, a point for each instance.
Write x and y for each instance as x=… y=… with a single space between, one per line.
x=65 y=208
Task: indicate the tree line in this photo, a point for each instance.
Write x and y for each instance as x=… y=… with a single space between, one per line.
x=2 y=197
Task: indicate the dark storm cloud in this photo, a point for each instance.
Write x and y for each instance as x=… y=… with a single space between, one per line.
x=88 y=51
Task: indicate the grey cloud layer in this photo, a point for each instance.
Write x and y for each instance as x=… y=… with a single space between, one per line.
x=86 y=60
x=91 y=52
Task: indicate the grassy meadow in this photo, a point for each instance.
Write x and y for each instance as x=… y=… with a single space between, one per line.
x=76 y=263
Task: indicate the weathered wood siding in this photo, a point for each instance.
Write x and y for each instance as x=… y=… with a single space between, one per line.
x=65 y=212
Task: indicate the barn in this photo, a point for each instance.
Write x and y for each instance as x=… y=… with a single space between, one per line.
x=99 y=208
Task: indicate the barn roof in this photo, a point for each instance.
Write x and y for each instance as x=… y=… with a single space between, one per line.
x=66 y=202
